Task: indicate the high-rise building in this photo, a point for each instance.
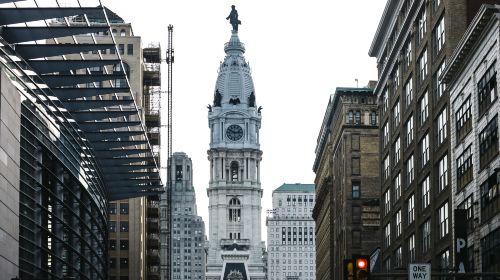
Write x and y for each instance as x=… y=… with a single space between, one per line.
x=471 y=78
x=347 y=211
x=129 y=240
x=79 y=140
x=235 y=247
x=291 y=251
x=188 y=229
x=413 y=43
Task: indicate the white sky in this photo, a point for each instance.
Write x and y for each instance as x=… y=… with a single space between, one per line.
x=299 y=52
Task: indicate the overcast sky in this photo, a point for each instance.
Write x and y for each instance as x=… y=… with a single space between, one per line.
x=299 y=52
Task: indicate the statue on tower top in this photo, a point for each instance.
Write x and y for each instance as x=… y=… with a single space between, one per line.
x=233 y=18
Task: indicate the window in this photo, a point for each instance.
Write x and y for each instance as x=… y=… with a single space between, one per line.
x=409 y=130
x=426 y=236
x=356 y=214
x=123 y=226
x=386 y=134
x=350 y=117
x=387 y=235
x=397 y=187
x=487 y=89
x=399 y=229
x=123 y=244
x=422 y=67
x=440 y=86
x=411 y=248
x=442 y=124
x=464 y=168
x=444 y=261
x=397 y=150
x=112 y=262
x=396 y=114
x=387 y=201
x=357 y=117
x=355 y=166
x=355 y=141
x=411 y=209
x=439 y=36
x=467 y=205
x=398 y=256
x=121 y=48
x=463 y=117
x=234 y=210
x=424 y=150
x=426 y=188
x=488 y=143
x=234 y=171
x=490 y=251
x=443 y=220
x=424 y=108
x=422 y=25
x=385 y=101
x=443 y=172
x=112 y=244
x=395 y=77
x=112 y=208
x=386 y=167
x=356 y=190
x=435 y=4
x=490 y=197
x=122 y=33
x=130 y=49
x=123 y=262
x=123 y=208
x=112 y=226
x=407 y=54
x=373 y=118
x=408 y=90
x=410 y=173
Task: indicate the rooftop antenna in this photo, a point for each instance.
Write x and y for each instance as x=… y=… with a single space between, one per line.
x=357 y=86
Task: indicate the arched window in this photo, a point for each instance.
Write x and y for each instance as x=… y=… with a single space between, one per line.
x=122 y=32
x=358 y=117
x=114 y=32
x=234 y=171
x=350 y=117
x=234 y=210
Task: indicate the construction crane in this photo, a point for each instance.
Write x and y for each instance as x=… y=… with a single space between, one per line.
x=170 y=62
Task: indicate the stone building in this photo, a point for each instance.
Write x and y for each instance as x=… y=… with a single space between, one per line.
x=347 y=211
x=235 y=247
x=413 y=43
x=291 y=251
x=471 y=79
x=188 y=229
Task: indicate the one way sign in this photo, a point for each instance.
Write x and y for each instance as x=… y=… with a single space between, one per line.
x=419 y=271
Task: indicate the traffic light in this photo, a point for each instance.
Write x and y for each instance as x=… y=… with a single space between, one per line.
x=362 y=268
x=349 y=269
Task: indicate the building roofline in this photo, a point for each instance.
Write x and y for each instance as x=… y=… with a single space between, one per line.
x=381 y=29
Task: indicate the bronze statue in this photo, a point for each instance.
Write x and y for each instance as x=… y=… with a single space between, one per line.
x=233 y=18
x=217 y=98
x=251 y=100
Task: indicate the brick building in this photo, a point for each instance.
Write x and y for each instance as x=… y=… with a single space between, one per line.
x=412 y=45
x=347 y=211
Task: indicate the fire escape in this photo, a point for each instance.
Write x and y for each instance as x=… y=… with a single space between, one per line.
x=151 y=99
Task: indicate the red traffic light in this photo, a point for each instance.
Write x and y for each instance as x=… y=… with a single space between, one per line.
x=361 y=263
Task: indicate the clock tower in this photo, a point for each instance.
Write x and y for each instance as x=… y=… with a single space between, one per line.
x=235 y=248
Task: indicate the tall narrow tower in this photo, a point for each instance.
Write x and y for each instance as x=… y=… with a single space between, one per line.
x=235 y=248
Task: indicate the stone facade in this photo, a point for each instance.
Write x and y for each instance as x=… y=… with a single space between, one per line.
x=347 y=211
x=188 y=229
x=234 y=190
x=474 y=138
x=413 y=43
x=290 y=234
x=10 y=130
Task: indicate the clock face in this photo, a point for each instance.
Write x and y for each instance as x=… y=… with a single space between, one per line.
x=234 y=132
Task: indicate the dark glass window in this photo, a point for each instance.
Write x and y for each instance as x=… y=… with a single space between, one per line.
x=112 y=226
x=123 y=262
x=123 y=226
x=123 y=244
x=112 y=244
x=124 y=208
x=464 y=168
x=467 y=205
x=488 y=143
x=112 y=262
x=357 y=117
x=490 y=197
x=121 y=48
x=112 y=208
x=487 y=89
x=464 y=120
x=490 y=253
x=356 y=190
x=130 y=49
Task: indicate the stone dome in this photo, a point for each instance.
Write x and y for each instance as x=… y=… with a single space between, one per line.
x=234 y=81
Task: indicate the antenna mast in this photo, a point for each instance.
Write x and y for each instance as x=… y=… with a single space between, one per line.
x=170 y=62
